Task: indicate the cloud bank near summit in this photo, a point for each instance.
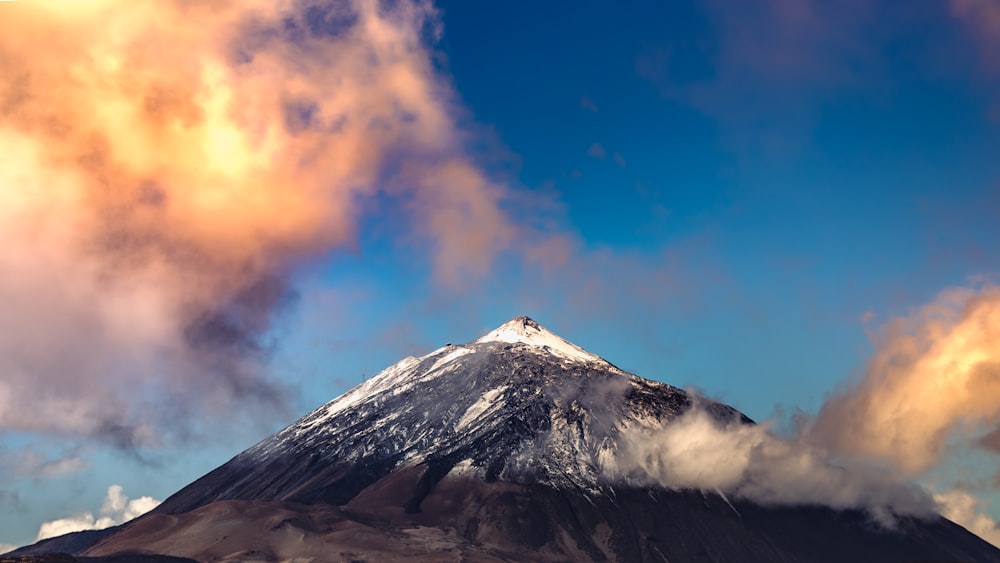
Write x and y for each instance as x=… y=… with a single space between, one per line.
x=933 y=383
x=752 y=462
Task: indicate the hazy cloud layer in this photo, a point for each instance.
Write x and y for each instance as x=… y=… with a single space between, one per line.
x=116 y=509
x=935 y=375
x=163 y=180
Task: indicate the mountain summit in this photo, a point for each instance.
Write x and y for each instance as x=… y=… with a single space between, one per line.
x=519 y=405
x=508 y=448
x=524 y=330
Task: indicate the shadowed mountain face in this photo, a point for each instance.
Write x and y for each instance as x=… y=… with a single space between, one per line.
x=495 y=451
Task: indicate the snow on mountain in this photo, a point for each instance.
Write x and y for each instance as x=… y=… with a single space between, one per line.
x=518 y=404
x=523 y=330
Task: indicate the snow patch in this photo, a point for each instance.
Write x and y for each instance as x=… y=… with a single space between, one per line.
x=464 y=468
x=385 y=380
x=487 y=400
x=444 y=363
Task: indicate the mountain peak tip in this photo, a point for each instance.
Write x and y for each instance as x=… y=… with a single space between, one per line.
x=525 y=330
x=522 y=326
x=523 y=321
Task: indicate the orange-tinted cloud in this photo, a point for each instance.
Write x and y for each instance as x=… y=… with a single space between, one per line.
x=934 y=375
x=168 y=163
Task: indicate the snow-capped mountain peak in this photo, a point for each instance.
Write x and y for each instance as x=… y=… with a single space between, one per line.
x=524 y=330
x=519 y=404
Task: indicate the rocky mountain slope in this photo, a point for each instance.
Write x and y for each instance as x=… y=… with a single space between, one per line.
x=498 y=450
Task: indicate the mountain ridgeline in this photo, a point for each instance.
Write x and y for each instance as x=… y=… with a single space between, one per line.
x=498 y=450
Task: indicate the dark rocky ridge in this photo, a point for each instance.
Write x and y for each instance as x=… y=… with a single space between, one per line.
x=493 y=451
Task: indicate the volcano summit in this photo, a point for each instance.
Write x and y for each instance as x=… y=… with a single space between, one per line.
x=513 y=447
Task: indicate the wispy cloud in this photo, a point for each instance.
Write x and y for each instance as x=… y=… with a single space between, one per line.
x=596 y=150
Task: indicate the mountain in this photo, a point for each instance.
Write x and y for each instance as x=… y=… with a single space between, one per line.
x=518 y=405
x=498 y=450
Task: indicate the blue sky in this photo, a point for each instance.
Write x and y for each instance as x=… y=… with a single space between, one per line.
x=746 y=194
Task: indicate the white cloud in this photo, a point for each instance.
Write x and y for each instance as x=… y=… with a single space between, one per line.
x=5 y=547
x=116 y=509
x=967 y=511
x=696 y=451
x=76 y=523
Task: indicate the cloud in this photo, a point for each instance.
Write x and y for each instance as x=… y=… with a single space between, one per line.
x=588 y=104
x=116 y=509
x=698 y=451
x=934 y=376
x=596 y=150
x=31 y=462
x=5 y=547
x=156 y=202
x=619 y=159
x=967 y=511
x=930 y=386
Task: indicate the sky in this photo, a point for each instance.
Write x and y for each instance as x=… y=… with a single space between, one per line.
x=217 y=218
